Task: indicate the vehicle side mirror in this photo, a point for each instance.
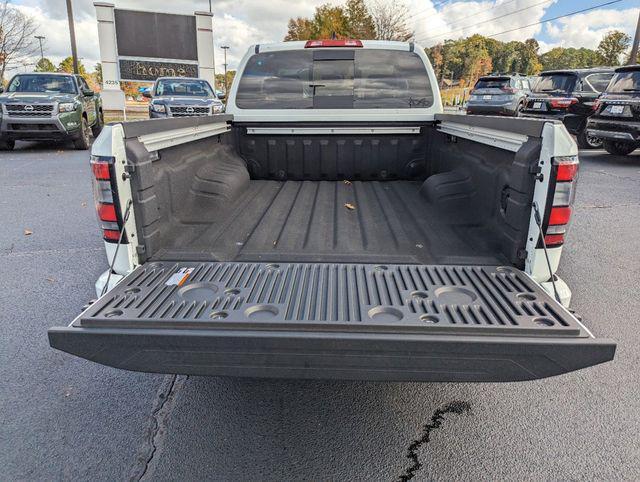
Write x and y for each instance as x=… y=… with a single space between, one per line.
x=1 y=89
x=88 y=93
x=222 y=96
x=146 y=94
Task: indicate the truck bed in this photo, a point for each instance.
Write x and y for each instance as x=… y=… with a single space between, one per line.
x=335 y=221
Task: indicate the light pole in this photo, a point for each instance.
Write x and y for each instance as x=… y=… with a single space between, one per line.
x=72 y=34
x=225 y=48
x=40 y=39
x=633 y=58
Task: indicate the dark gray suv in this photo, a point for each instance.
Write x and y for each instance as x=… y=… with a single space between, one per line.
x=499 y=95
x=182 y=97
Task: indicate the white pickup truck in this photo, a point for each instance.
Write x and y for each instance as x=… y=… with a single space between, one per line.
x=335 y=224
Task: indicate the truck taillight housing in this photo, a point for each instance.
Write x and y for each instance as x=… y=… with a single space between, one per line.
x=106 y=200
x=563 y=188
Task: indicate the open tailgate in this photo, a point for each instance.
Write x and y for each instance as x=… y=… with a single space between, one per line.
x=341 y=321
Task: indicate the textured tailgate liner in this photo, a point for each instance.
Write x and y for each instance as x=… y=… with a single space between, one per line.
x=333 y=297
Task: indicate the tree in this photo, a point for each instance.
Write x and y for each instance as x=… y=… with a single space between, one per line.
x=299 y=29
x=353 y=20
x=390 y=20
x=67 y=66
x=97 y=73
x=45 y=65
x=17 y=32
x=220 y=79
x=361 y=24
x=612 y=46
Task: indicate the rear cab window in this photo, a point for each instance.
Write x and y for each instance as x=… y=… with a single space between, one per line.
x=334 y=79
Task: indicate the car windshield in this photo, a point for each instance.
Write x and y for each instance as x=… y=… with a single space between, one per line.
x=492 y=83
x=625 y=82
x=334 y=79
x=197 y=88
x=62 y=84
x=559 y=83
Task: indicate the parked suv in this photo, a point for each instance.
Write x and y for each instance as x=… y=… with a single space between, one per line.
x=49 y=106
x=617 y=117
x=499 y=94
x=569 y=96
x=182 y=97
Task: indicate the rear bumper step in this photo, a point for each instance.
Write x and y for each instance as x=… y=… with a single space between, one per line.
x=315 y=320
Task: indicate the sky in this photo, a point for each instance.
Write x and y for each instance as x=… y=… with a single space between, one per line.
x=241 y=23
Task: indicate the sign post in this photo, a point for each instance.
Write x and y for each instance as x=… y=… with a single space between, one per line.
x=112 y=95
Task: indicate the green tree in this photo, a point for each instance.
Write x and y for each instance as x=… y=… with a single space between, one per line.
x=612 y=46
x=360 y=20
x=67 y=66
x=220 y=79
x=97 y=73
x=45 y=65
x=570 y=58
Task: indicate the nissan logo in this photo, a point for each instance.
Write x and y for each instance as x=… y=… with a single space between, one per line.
x=28 y=107
x=189 y=110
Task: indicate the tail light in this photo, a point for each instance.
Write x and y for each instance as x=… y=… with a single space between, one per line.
x=596 y=105
x=107 y=206
x=508 y=90
x=562 y=102
x=565 y=173
x=332 y=43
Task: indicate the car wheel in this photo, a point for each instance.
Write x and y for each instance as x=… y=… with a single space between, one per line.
x=586 y=141
x=7 y=145
x=96 y=129
x=518 y=111
x=619 y=148
x=84 y=138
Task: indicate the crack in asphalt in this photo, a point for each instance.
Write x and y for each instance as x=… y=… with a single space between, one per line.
x=162 y=407
x=456 y=407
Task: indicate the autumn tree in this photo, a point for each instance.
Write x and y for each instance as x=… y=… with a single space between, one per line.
x=353 y=20
x=300 y=29
x=17 y=32
x=612 y=46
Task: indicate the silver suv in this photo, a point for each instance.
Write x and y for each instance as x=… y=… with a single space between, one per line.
x=499 y=95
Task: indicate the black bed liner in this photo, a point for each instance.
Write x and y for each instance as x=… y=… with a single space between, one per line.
x=334 y=221
x=320 y=320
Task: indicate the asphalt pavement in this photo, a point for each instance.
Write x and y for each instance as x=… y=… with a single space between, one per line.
x=67 y=418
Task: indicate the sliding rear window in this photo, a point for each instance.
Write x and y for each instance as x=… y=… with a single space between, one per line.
x=335 y=79
x=556 y=83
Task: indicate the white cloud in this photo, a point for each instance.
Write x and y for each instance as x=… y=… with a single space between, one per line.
x=587 y=29
x=461 y=19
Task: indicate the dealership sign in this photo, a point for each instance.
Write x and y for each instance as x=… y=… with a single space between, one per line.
x=147 y=70
x=141 y=46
